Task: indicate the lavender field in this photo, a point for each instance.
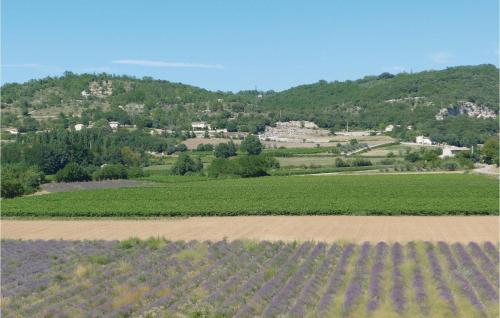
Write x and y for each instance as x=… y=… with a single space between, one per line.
x=157 y=278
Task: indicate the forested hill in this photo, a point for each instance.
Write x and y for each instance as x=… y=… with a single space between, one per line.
x=433 y=102
x=382 y=93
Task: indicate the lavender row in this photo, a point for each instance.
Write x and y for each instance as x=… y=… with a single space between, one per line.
x=243 y=279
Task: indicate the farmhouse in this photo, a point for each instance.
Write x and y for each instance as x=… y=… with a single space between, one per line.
x=200 y=125
x=114 y=124
x=451 y=151
x=389 y=128
x=293 y=131
x=423 y=140
x=79 y=127
x=12 y=131
x=211 y=133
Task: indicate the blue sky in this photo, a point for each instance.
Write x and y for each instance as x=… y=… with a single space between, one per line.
x=235 y=45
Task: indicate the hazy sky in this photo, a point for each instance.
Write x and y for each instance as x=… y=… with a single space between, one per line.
x=234 y=45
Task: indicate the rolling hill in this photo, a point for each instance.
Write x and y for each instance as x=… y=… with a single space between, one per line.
x=458 y=105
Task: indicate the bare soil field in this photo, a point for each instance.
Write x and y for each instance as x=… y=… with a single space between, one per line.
x=330 y=141
x=286 y=228
x=491 y=170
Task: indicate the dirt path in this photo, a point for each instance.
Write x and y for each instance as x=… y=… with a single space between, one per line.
x=377 y=172
x=318 y=228
x=487 y=169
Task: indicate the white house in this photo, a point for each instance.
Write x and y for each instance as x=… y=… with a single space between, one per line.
x=200 y=125
x=114 y=124
x=423 y=140
x=389 y=128
x=451 y=151
x=12 y=131
x=79 y=127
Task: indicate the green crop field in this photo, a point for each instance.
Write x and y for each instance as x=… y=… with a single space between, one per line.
x=349 y=195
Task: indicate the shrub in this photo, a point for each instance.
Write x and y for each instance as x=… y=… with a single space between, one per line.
x=412 y=156
x=31 y=178
x=170 y=149
x=205 y=147
x=251 y=145
x=223 y=150
x=72 y=172
x=450 y=165
x=135 y=172
x=181 y=148
x=111 y=172
x=489 y=151
x=17 y=180
x=387 y=161
x=360 y=162
x=245 y=166
x=185 y=164
x=11 y=187
x=341 y=163
x=222 y=168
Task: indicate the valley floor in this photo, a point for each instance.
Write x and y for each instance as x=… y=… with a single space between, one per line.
x=286 y=228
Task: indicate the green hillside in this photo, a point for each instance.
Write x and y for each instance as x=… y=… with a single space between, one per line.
x=369 y=103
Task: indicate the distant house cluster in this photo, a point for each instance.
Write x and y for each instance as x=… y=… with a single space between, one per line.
x=293 y=131
x=390 y=128
x=200 y=125
x=112 y=124
x=202 y=128
x=448 y=151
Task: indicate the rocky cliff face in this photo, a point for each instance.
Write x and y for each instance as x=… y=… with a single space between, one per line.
x=466 y=108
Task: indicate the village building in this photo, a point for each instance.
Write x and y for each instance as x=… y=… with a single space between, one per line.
x=12 y=131
x=389 y=128
x=452 y=151
x=79 y=127
x=421 y=140
x=200 y=125
x=114 y=124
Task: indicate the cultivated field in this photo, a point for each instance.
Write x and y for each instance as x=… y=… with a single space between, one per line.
x=87 y=185
x=439 y=194
x=156 y=278
x=287 y=228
